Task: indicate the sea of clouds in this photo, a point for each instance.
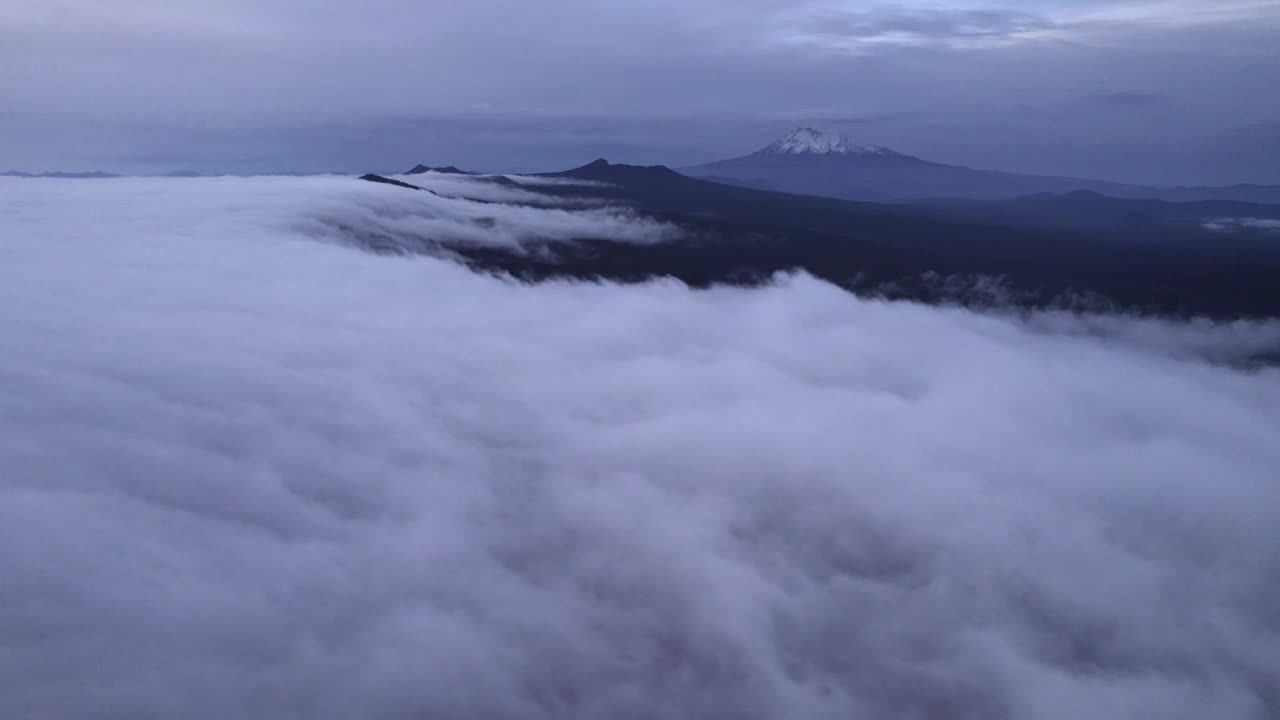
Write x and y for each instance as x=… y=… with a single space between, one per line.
x=247 y=471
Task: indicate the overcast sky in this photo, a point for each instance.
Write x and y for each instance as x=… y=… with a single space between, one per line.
x=1172 y=91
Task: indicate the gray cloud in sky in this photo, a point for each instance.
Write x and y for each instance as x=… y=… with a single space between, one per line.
x=918 y=26
x=1131 y=98
x=998 y=84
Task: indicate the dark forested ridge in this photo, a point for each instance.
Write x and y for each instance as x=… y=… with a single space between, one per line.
x=1045 y=251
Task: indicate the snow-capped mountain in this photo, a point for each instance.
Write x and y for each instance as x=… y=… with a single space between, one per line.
x=807 y=141
x=811 y=162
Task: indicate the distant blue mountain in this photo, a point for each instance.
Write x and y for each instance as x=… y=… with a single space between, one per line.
x=95 y=175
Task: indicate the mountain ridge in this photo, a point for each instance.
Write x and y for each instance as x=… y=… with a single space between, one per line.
x=92 y=175
x=446 y=170
x=1039 y=252
x=602 y=170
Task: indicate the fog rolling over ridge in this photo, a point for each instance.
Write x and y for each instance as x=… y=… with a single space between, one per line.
x=1078 y=250
x=253 y=470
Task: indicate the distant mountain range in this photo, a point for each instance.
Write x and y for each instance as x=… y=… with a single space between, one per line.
x=99 y=175
x=1214 y=259
x=95 y=175
x=447 y=170
x=1088 y=209
x=810 y=162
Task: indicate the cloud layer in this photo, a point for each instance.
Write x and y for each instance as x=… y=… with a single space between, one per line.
x=249 y=474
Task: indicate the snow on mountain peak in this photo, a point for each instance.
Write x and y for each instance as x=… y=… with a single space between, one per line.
x=807 y=141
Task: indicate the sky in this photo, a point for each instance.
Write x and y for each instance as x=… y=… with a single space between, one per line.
x=1156 y=91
